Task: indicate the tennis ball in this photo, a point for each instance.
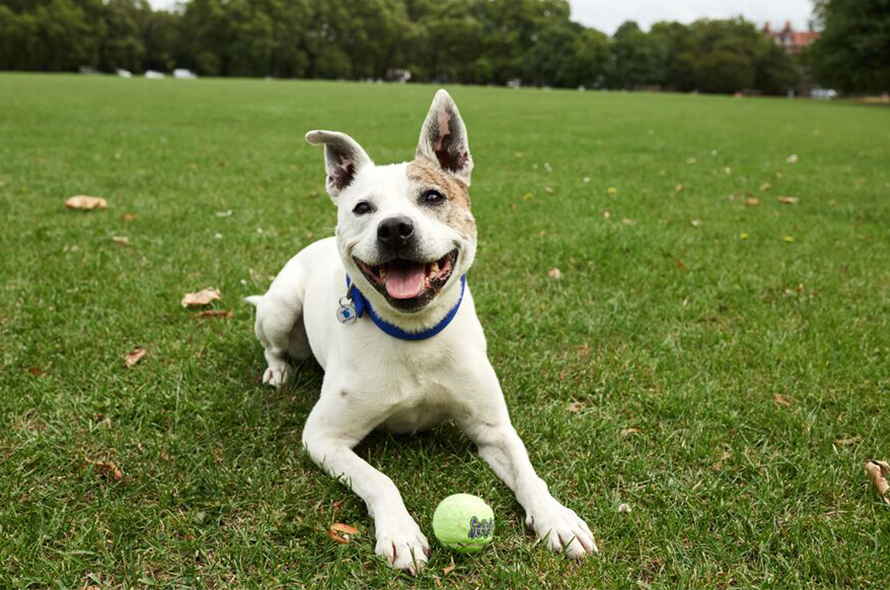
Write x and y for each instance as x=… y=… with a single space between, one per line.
x=463 y=523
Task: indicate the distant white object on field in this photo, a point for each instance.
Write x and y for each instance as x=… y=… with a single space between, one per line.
x=824 y=93
x=123 y=73
x=184 y=74
x=153 y=75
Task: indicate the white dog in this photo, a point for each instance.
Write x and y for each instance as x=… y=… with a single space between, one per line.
x=385 y=309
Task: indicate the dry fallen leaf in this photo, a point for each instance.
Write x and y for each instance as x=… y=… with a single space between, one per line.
x=878 y=472
x=793 y=159
x=129 y=216
x=339 y=527
x=109 y=468
x=765 y=186
x=548 y=190
x=695 y=223
x=627 y=221
x=554 y=273
x=575 y=407
x=86 y=202
x=788 y=200
x=751 y=202
x=780 y=399
x=680 y=264
x=202 y=297
x=848 y=441
x=678 y=189
x=134 y=357
x=691 y=161
x=122 y=240
x=215 y=313
x=448 y=569
x=36 y=371
x=630 y=431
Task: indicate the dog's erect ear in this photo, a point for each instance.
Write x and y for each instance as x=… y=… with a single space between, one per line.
x=343 y=157
x=443 y=138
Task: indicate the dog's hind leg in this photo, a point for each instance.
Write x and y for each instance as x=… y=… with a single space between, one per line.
x=279 y=328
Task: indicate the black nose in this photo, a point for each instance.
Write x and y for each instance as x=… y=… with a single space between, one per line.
x=395 y=231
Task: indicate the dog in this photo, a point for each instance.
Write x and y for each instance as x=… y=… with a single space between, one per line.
x=385 y=309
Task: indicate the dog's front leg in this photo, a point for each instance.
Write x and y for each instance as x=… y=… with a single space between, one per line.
x=333 y=428
x=488 y=425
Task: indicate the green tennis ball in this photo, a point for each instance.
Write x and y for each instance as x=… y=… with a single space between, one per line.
x=463 y=523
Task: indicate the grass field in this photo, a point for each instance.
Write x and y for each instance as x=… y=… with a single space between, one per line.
x=647 y=375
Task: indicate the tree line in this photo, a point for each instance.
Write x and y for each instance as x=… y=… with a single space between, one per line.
x=462 y=41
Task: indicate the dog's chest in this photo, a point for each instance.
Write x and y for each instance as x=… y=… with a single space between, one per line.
x=414 y=391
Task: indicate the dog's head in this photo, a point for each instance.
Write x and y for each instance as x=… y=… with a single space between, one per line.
x=405 y=231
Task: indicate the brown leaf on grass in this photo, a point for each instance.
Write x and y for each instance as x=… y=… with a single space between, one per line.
x=788 y=200
x=751 y=202
x=878 y=472
x=695 y=223
x=36 y=371
x=765 y=186
x=848 y=441
x=122 y=240
x=86 y=202
x=780 y=399
x=109 y=469
x=129 y=216
x=678 y=189
x=629 y=431
x=448 y=569
x=202 y=297
x=339 y=527
x=548 y=190
x=793 y=159
x=575 y=407
x=554 y=273
x=680 y=264
x=344 y=528
x=134 y=357
x=215 y=313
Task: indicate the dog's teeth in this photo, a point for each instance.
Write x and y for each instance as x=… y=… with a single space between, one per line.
x=381 y=272
x=434 y=268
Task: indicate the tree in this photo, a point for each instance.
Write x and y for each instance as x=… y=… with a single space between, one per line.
x=852 y=53
x=635 y=58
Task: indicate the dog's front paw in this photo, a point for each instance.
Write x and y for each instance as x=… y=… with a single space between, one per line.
x=403 y=546
x=562 y=530
x=277 y=374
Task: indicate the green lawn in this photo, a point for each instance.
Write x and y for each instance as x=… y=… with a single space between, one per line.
x=645 y=376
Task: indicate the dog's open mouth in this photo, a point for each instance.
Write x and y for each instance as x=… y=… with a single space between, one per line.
x=409 y=283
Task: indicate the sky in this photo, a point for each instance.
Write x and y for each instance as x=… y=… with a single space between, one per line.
x=607 y=15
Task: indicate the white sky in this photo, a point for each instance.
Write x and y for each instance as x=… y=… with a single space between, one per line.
x=607 y=15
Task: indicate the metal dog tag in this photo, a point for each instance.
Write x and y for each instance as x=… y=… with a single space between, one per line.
x=346 y=312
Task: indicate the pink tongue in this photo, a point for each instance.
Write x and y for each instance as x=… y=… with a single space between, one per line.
x=405 y=281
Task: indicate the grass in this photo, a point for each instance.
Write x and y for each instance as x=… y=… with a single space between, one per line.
x=645 y=376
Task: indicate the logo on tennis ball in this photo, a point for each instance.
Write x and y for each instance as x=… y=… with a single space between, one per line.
x=480 y=528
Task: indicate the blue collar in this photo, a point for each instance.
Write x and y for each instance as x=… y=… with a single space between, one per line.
x=361 y=304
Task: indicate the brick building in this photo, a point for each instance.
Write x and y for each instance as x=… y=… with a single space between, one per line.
x=793 y=41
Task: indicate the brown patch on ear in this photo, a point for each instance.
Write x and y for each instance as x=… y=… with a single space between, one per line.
x=426 y=173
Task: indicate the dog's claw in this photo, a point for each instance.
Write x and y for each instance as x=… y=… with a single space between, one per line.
x=405 y=549
x=276 y=376
x=563 y=531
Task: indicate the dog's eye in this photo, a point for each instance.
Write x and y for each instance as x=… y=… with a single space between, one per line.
x=433 y=198
x=361 y=208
